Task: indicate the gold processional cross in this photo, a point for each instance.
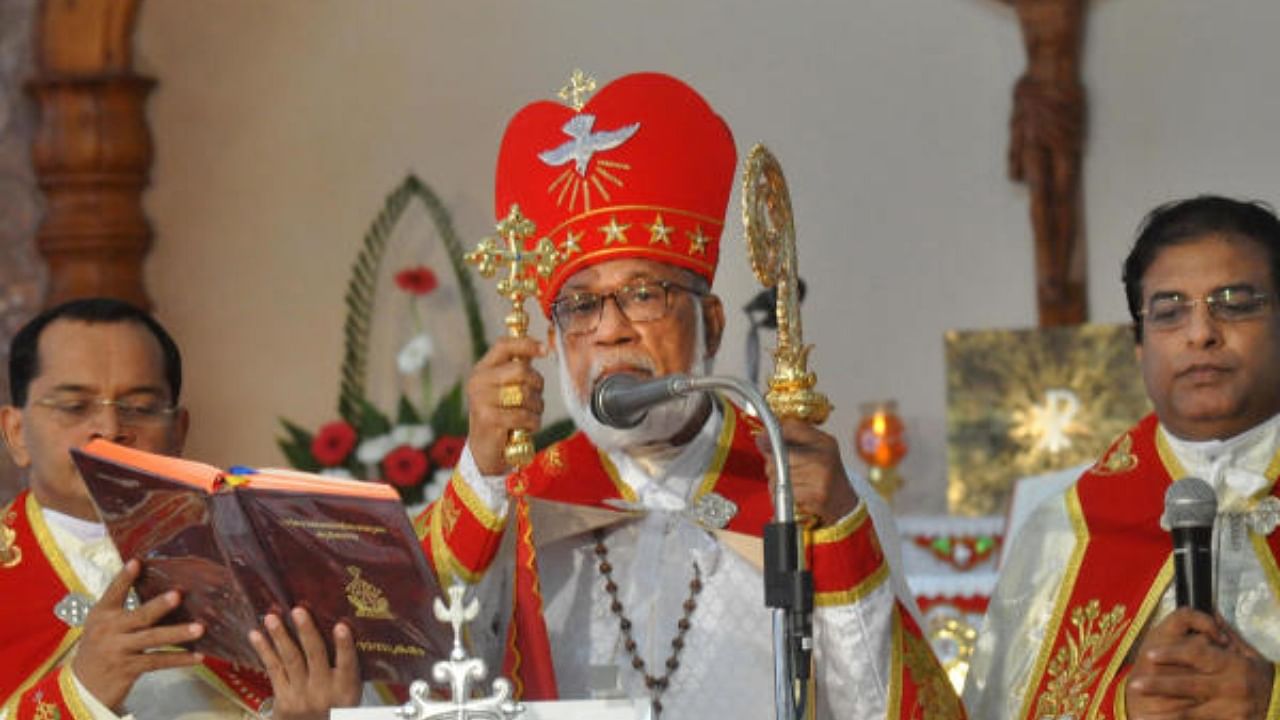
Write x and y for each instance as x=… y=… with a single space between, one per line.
x=507 y=251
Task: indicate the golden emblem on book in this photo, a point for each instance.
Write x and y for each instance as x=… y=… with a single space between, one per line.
x=10 y=553
x=366 y=598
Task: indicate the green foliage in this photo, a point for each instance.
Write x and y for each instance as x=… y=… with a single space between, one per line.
x=361 y=289
x=448 y=419
x=297 y=447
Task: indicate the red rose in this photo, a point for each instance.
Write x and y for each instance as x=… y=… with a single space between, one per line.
x=446 y=452
x=417 y=280
x=333 y=443
x=404 y=466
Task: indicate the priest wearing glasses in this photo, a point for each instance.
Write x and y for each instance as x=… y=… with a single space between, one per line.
x=611 y=564
x=1083 y=622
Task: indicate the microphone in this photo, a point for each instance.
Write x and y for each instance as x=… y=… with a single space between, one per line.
x=1189 y=509
x=622 y=401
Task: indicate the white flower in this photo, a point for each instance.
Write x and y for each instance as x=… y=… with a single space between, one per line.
x=415 y=436
x=337 y=472
x=415 y=354
x=371 y=451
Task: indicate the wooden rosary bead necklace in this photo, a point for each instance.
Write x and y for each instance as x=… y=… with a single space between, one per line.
x=656 y=684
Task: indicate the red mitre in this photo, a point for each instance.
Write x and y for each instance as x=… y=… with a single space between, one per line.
x=643 y=170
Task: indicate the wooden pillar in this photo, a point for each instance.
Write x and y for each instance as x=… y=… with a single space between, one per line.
x=92 y=150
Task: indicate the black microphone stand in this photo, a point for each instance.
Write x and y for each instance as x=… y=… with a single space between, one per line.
x=788 y=586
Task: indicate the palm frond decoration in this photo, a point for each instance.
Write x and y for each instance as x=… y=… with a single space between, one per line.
x=361 y=289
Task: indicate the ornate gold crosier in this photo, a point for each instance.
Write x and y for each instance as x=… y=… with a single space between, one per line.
x=506 y=250
x=771 y=246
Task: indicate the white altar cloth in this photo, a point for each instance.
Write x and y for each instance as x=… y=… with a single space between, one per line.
x=620 y=709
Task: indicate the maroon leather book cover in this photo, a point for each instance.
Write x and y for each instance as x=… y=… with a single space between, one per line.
x=240 y=546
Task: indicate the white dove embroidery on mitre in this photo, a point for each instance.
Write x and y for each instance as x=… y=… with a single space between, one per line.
x=585 y=143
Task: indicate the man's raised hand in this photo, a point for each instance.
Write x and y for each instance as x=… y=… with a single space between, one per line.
x=118 y=645
x=493 y=414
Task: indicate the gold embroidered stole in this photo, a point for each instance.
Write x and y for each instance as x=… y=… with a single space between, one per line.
x=575 y=471
x=1119 y=569
x=35 y=577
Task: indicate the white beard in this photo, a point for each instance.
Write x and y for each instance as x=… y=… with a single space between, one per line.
x=662 y=422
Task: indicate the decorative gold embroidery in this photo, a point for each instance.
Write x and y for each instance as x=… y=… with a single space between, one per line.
x=10 y=553
x=1119 y=459
x=46 y=710
x=935 y=699
x=660 y=232
x=580 y=87
x=1073 y=670
x=449 y=513
x=366 y=598
x=571 y=245
x=697 y=241
x=517 y=484
x=614 y=233
x=552 y=460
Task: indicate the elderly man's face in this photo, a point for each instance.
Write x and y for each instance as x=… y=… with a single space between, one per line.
x=1212 y=376
x=651 y=348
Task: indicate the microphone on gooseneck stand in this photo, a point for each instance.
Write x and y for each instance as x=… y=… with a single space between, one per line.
x=1190 y=506
x=622 y=400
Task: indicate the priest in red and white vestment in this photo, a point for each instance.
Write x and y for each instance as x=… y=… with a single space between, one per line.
x=1083 y=623
x=619 y=561
x=72 y=646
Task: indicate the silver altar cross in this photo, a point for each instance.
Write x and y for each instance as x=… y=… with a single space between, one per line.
x=460 y=672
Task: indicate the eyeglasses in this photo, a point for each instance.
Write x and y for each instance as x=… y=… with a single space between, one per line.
x=1227 y=304
x=580 y=313
x=129 y=413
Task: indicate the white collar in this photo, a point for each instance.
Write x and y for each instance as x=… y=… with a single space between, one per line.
x=1235 y=466
x=83 y=530
x=667 y=482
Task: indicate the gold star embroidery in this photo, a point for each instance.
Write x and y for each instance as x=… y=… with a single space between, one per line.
x=659 y=232
x=697 y=241
x=614 y=233
x=570 y=245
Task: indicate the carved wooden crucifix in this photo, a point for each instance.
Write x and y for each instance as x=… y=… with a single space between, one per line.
x=1047 y=132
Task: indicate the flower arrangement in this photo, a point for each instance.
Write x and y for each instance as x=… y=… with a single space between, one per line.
x=415 y=447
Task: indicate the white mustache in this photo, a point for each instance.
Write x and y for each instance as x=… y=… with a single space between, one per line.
x=616 y=359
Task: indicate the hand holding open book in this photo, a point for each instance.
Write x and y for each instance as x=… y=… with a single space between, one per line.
x=239 y=545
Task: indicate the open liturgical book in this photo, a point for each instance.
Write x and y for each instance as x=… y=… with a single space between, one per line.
x=241 y=544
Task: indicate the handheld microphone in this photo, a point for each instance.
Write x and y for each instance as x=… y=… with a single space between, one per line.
x=1189 y=509
x=622 y=400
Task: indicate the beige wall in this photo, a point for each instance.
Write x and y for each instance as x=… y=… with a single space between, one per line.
x=280 y=126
